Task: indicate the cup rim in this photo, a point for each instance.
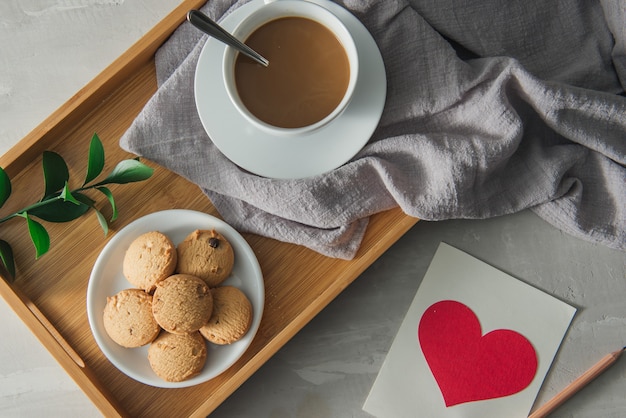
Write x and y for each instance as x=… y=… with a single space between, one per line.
x=344 y=37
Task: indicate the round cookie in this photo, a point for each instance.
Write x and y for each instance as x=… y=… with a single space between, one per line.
x=128 y=318
x=206 y=254
x=177 y=357
x=150 y=258
x=232 y=316
x=182 y=303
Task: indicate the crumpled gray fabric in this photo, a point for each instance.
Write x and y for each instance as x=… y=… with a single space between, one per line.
x=492 y=107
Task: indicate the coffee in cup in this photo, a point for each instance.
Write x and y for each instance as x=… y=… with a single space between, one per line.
x=312 y=72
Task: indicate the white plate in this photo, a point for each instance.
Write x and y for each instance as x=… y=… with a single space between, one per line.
x=107 y=279
x=291 y=157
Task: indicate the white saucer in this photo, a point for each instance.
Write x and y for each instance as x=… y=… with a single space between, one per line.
x=107 y=279
x=291 y=157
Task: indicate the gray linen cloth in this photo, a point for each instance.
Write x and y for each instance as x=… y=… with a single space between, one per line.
x=492 y=107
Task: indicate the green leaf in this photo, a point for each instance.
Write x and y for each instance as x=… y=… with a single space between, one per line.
x=55 y=173
x=38 y=235
x=6 y=255
x=59 y=210
x=66 y=195
x=5 y=186
x=128 y=171
x=109 y=196
x=103 y=221
x=95 y=164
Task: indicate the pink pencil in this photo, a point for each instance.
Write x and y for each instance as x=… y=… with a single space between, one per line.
x=596 y=370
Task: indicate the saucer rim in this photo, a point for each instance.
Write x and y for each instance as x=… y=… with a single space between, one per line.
x=291 y=157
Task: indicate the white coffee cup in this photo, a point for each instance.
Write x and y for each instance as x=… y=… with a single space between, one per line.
x=276 y=9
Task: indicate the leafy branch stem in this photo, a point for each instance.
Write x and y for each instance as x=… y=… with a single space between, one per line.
x=49 y=201
x=60 y=204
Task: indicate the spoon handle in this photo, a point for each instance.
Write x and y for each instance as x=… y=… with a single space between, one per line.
x=208 y=26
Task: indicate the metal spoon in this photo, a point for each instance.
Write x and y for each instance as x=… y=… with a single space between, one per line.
x=208 y=26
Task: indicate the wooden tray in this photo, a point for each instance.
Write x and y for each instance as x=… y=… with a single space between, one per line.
x=49 y=294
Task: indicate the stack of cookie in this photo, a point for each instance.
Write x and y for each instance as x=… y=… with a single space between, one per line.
x=178 y=301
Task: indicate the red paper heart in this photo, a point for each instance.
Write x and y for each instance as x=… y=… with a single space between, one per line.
x=467 y=365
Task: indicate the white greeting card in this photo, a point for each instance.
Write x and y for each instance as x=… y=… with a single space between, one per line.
x=475 y=342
